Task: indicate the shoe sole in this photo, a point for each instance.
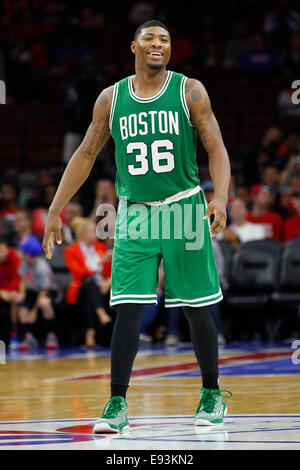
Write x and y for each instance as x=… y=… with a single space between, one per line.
x=206 y=422
x=104 y=428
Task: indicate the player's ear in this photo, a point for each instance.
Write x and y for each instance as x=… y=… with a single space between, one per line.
x=133 y=47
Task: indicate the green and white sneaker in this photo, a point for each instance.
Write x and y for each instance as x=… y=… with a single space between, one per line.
x=114 y=417
x=212 y=408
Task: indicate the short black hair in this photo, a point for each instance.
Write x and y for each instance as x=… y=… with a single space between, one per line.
x=148 y=24
x=4 y=240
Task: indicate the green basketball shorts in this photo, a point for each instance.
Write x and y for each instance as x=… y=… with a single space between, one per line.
x=174 y=233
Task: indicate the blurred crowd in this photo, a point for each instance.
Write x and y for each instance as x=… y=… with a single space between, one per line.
x=55 y=52
x=31 y=286
x=53 y=44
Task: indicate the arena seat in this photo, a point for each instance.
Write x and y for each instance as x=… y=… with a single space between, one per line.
x=254 y=273
x=289 y=278
x=59 y=268
x=227 y=250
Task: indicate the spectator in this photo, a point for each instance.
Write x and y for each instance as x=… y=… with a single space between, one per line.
x=258 y=154
x=104 y=194
x=237 y=45
x=72 y=210
x=290 y=186
x=6 y=230
x=80 y=96
x=259 y=58
x=11 y=289
x=242 y=192
x=22 y=226
x=271 y=178
x=39 y=214
x=240 y=230
x=292 y=224
x=182 y=50
x=291 y=169
x=290 y=146
x=282 y=19
x=262 y=214
x=9 y=201
x=41 y=290
x=89 y=262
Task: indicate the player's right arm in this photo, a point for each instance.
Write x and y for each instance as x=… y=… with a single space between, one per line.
x=79 y=167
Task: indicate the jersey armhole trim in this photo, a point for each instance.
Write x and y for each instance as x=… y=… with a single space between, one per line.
x=113 y=106
x=183 y=101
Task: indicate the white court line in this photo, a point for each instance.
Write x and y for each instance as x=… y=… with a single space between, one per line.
x=42 y=397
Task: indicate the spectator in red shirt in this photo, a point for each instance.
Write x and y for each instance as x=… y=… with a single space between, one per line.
x=292 y=224
x=11 y=288
x=261 y=213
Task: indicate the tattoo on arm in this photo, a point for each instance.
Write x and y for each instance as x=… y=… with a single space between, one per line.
x=203 y=134
x=201 y=114
x=98 y=132
x=94 y=139
x=196 y=95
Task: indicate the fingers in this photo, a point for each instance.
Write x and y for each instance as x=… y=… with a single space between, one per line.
x=209 y=211
x=218 y=224
x=58 y=237
x=47 y=245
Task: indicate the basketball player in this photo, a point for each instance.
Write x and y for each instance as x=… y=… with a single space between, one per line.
x=154 y=117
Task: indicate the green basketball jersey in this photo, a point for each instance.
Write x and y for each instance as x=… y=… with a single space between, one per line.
x=155 y=142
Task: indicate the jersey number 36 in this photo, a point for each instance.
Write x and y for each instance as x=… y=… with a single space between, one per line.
x=157 y=157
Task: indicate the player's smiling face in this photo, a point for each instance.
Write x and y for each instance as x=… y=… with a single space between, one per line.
x=153 y=47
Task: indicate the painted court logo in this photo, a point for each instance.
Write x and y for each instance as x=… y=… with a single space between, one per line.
x=2 y=353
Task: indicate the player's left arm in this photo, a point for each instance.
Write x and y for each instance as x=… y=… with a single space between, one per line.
x=204 y=120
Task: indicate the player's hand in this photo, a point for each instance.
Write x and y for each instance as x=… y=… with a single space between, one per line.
x=53 y=227
x=217 y=208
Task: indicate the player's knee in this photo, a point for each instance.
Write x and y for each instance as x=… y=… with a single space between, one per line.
x=193 y=314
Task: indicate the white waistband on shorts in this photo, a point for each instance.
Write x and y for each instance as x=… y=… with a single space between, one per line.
x=175 y=197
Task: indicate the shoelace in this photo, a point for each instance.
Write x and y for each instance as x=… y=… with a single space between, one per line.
x=209 y=397
x=112 y=408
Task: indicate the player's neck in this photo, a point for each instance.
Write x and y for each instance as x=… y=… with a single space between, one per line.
x=147 y=83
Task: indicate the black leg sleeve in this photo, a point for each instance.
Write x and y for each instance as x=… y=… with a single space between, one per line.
x=204 y=337
x=124 y=345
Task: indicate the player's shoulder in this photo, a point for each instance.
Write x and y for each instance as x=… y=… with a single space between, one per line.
x=195 y=93
x=103 y=101
x=194 y=84
x=105 y=95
